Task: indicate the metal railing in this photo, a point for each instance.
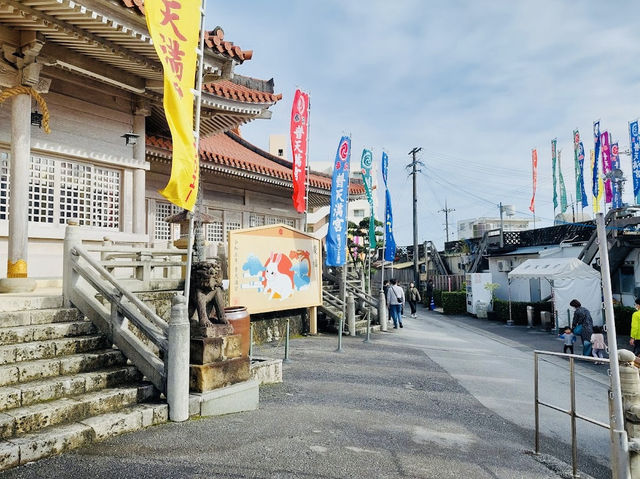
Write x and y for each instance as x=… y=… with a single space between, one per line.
x=572 y=408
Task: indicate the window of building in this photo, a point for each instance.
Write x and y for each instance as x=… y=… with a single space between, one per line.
x=41 y=190
x=256 y=220
x=214 y=232
x=162 y=229
x=271 y=220
x=281 y=152
x=106 y=198
x=62 y=190
x=358 y=213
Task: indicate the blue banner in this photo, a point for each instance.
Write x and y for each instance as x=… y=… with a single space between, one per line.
x=616 y=200
x=389 y=241
x=337 y=235
x=596 y=141
x=634 y=146
x=385 y=167
x=585 y=202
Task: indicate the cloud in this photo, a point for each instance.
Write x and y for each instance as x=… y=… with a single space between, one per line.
x=476 y=84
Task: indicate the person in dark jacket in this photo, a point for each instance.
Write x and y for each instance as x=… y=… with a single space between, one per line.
x=413 y=296
x=582 y=317
x=429 y=294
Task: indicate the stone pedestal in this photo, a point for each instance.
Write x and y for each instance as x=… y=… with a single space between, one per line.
x=217 y=359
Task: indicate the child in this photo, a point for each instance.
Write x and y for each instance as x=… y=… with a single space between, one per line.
x=568 y=339
x=597 y=341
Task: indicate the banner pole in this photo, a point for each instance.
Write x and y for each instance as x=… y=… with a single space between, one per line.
x=307 y=171
x=196 y=134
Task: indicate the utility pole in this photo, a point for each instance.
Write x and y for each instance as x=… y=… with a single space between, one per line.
x=446 y=212
x=414 y=172
x=501 y=226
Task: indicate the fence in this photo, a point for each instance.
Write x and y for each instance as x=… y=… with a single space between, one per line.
x=572 y=409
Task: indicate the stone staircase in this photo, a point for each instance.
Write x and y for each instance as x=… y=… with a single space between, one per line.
x=329 y=308
x=62 y=385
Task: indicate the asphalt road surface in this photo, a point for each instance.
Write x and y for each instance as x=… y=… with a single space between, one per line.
x=441 y=398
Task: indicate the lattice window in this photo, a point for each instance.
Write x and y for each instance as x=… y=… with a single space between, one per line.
x=256 y=220
x=75 y=193
x=4 y=185
x=290 y=222
x=164 y=230
x=106 y=198
x=214 y=232
x=271 y=220
x=41 y=189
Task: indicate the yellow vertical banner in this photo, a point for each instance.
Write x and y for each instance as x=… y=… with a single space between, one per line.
x=597 y=199
x=172 y=26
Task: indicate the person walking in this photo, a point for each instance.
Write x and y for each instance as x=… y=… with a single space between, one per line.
x=635 y=329
x=413 y=296
x=582 y=325
x=597 y=342
x=568 y=338
x=385 y=290
x=429 y=298
x=395 y=300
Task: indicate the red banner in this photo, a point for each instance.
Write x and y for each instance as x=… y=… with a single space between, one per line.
x=534 y=165
x=299 y=131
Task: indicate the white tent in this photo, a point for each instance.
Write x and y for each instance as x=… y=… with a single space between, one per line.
x=570 y=279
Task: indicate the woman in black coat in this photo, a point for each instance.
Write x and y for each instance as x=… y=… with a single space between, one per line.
x=582 y=317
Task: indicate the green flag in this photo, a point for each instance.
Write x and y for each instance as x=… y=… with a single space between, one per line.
x=563 y=191
x=553 y=172
x=365 y=168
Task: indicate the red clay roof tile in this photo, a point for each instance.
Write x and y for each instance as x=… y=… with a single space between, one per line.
x=213 y=39
x=229 y=149
x=228 y=89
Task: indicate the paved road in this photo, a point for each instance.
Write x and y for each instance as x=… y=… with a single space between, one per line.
x=440 y=398
x=495 y=364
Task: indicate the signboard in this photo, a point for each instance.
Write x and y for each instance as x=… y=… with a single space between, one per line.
x=273 y=268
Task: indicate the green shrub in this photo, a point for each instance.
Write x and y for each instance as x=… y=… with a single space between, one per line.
x=454 y=302
x=519 y=311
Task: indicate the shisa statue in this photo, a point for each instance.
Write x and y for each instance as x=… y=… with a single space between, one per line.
x=206 y=297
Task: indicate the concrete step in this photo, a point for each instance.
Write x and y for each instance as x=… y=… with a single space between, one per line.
x=29 y=302
x=63 y=438
x=22 y=420
x=13 y=353
x=75 y=363
x=26 y=394
x=43 y=332
x=39 y=316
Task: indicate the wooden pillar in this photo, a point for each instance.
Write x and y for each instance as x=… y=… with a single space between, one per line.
x=17 y=280
x=313 y=320
x=139 y=187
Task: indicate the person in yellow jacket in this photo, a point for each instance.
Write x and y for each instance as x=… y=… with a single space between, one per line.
x=635 y=329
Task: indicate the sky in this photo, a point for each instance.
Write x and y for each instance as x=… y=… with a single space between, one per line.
x=476 y=85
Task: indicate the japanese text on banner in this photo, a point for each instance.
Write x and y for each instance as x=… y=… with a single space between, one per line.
x=171 y=26
x=337 y=234
x=299 y=131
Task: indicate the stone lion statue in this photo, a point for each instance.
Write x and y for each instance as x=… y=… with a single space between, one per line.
x=206 y=295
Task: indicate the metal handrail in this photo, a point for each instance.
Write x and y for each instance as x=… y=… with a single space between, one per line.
x=572 y=410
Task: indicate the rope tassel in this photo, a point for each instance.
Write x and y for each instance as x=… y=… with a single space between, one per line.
x=25 y=90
